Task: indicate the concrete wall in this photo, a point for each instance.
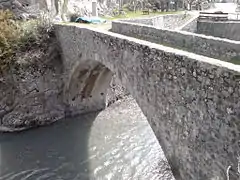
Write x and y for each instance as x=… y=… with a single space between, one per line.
x=190 y=26
x=190 y=101
x=229 y=30
x=170 y=21
x=175 y=21
x=223 y=49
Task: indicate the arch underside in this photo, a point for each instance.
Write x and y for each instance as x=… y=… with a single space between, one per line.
x=87 y=87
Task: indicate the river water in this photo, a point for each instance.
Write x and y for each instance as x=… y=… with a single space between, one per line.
x=116 y=144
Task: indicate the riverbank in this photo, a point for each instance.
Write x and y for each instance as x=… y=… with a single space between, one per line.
x=118 y=95
x=32 y=88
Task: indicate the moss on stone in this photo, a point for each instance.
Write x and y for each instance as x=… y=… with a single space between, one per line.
x=235 y=60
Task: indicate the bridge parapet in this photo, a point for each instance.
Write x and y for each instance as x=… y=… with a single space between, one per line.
x=222 y=29
x=224 y=49
x=170 y=21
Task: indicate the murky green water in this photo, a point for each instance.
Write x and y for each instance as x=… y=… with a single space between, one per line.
x=116 y=144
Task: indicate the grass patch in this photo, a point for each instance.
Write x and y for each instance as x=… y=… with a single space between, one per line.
x=235 y=60
x=139 y=14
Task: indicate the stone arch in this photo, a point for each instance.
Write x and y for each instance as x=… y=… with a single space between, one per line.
x=179 y=93
x=86 y=88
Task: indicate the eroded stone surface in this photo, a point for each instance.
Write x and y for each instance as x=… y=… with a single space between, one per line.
x=190 y=101
x=23 y=9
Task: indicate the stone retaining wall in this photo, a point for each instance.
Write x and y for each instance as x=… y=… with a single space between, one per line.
x=223 y=49
x=170 y=21
x=190 y=26
x=229 y=29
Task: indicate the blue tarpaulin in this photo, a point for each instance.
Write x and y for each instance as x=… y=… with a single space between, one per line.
x=93 y=20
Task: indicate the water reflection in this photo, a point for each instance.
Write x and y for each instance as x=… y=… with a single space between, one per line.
x=55 y=151
x=115 y=144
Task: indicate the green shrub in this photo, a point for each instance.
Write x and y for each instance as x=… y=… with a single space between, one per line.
x=9 y=36
x=17 y=37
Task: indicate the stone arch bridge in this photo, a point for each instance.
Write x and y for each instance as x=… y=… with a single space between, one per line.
x=190 y=101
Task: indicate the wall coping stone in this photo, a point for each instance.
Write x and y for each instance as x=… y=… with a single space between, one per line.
x=150 y=18
x=182 y=32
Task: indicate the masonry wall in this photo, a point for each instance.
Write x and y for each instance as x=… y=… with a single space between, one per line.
x=175 y=20
x=170 y=21
x=190 y=26
x=229 y=29
x=190 y=101
x=223 y=49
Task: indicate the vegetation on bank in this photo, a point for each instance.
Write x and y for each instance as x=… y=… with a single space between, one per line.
x=22 y=42
x=20 y=37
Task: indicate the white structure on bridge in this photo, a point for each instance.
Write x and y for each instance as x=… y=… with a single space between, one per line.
x=94 y=8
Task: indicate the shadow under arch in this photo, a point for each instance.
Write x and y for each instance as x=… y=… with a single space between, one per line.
x=86 y=87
